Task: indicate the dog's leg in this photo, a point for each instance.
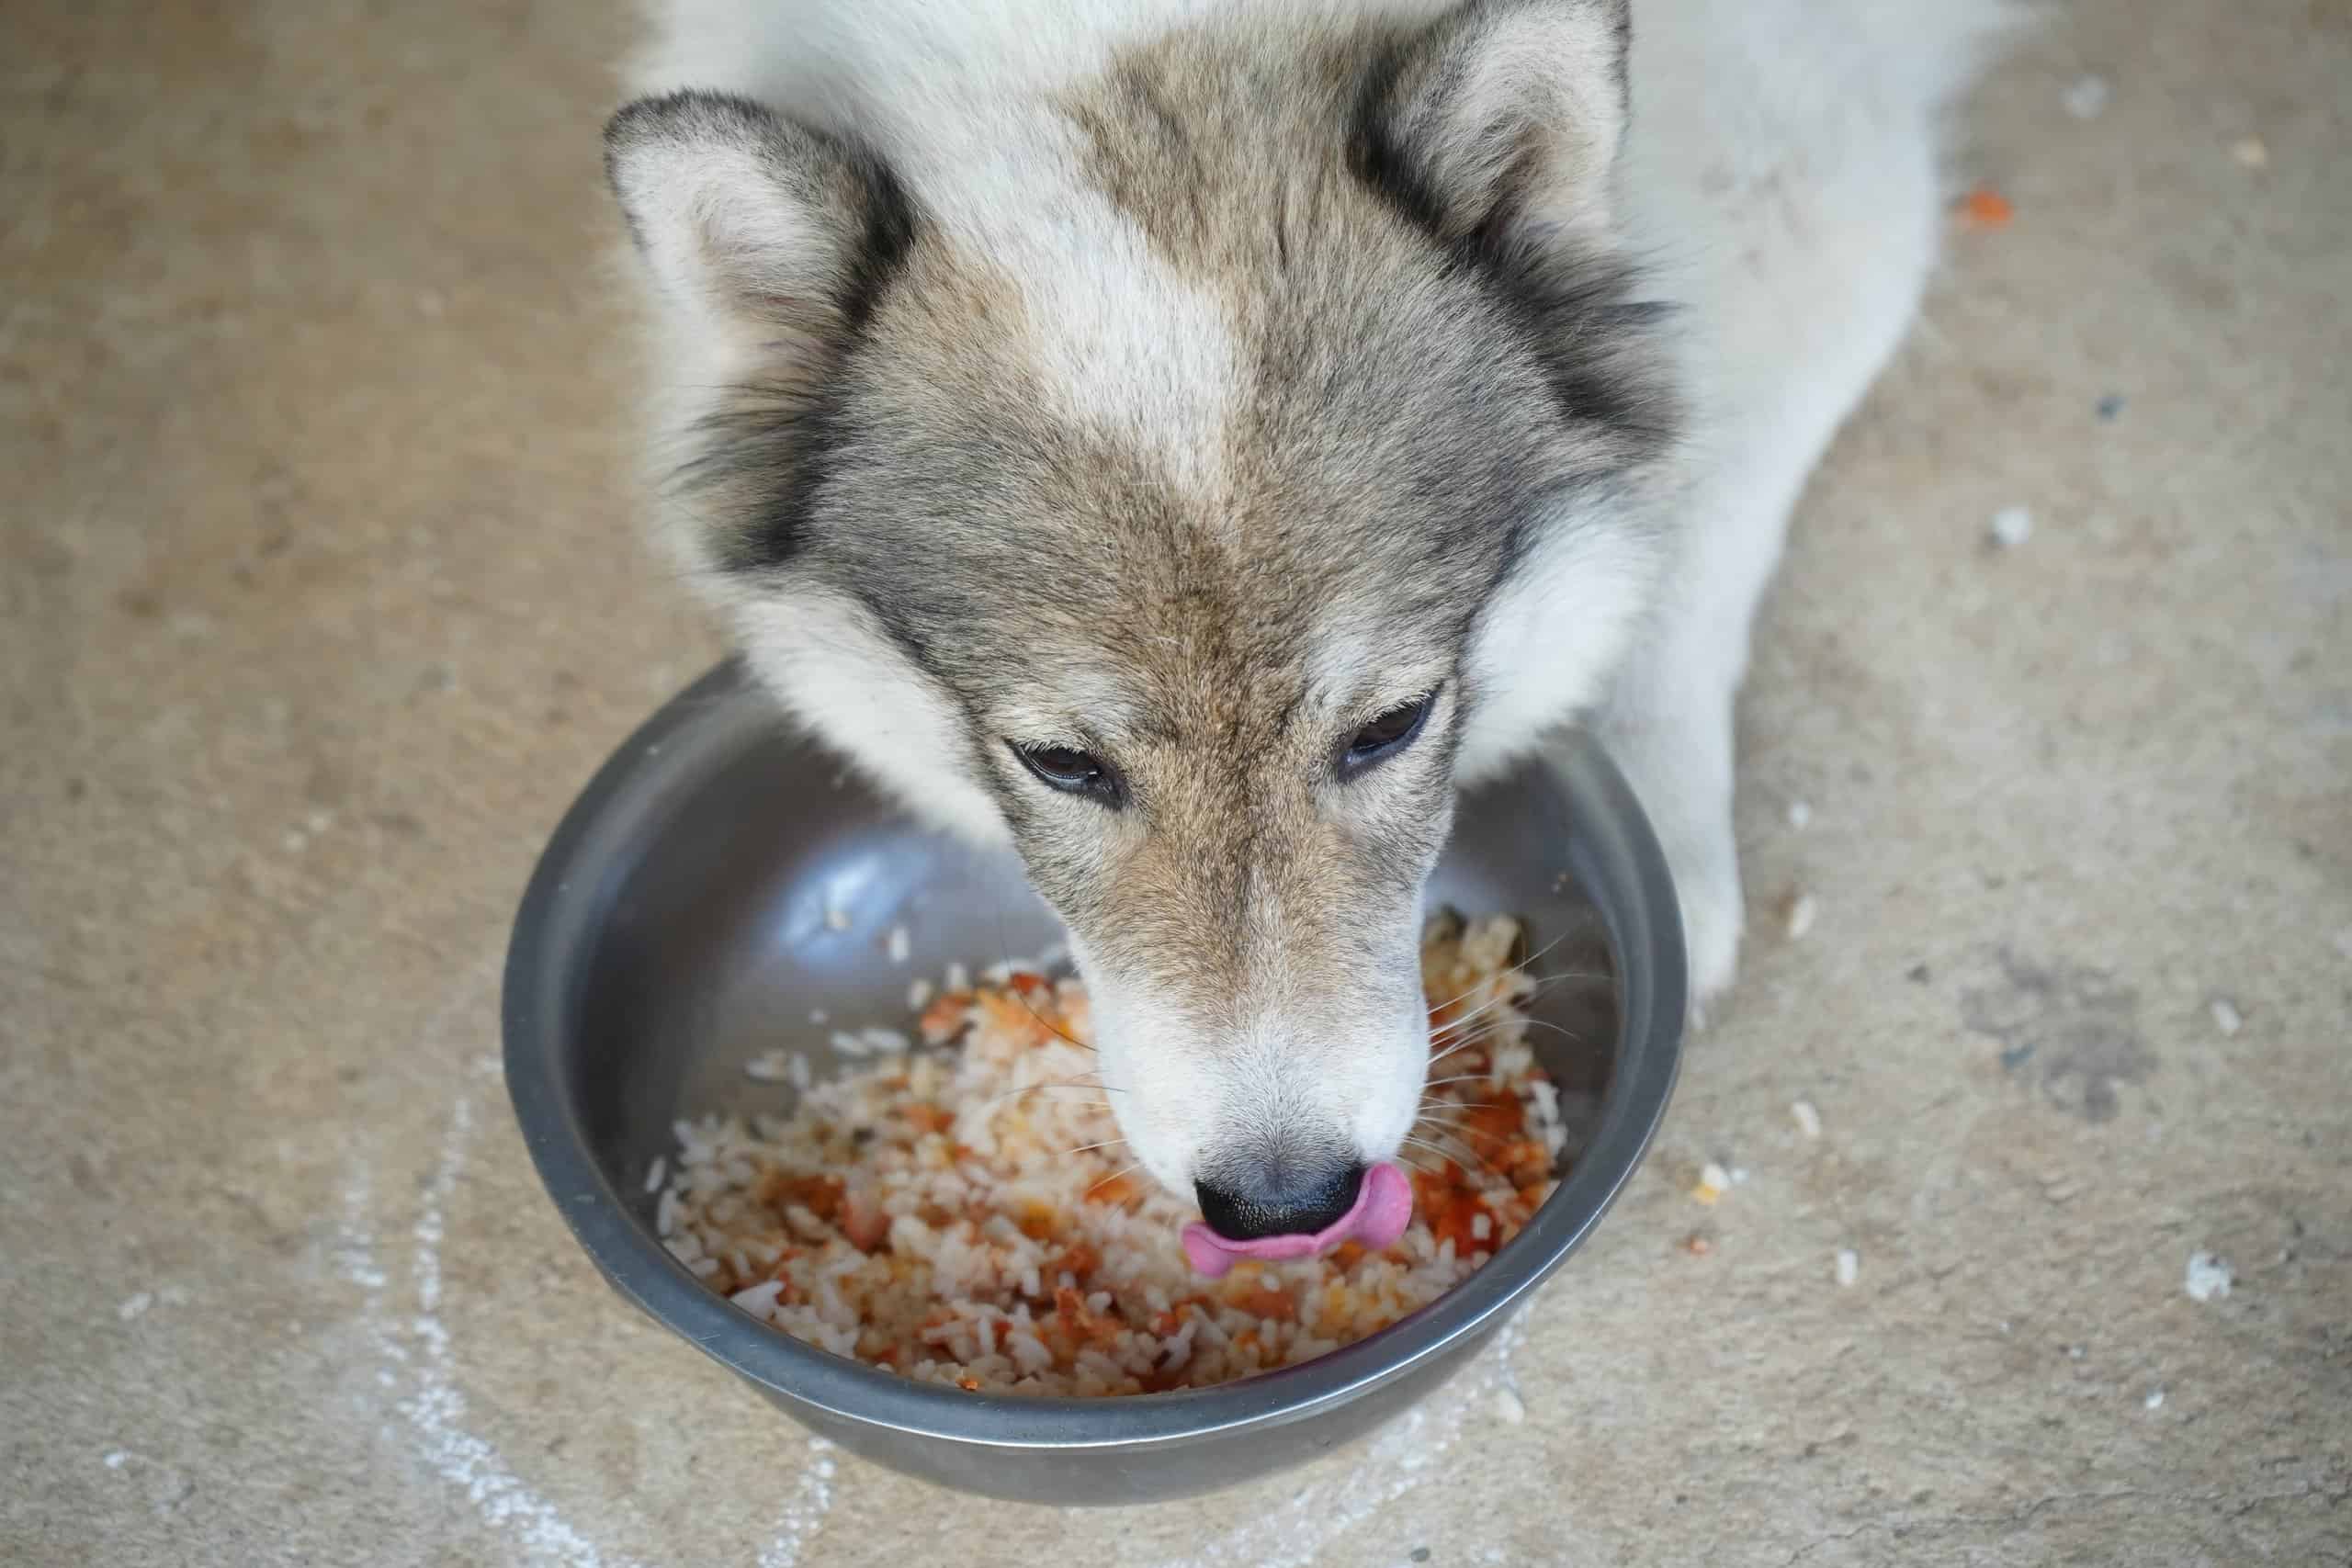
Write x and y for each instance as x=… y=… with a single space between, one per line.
x=1667 y=722
x=1811 y=272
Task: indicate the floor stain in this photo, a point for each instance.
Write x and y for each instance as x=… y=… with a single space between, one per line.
x=2073 y=1027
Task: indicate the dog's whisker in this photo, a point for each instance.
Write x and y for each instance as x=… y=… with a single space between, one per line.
x=1055 y=1083
x=1527 y=963
x=1449 y=1155
x=1460 y=1045
x=1110 y=1179
x=1454 y=1108
x=1064 y=1035
x=1493 y=1004
x=1454 y=1025
x=1007 y=949
x=1437 y=1140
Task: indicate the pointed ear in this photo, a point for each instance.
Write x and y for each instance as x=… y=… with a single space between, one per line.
x=773 y=234
x=1502 y=112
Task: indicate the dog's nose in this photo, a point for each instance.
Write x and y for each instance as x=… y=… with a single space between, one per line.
x=1263 y=1198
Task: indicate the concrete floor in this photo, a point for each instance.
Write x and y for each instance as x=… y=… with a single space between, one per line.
x=321 y=598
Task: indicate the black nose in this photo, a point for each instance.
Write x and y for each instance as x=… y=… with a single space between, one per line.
x=1253 y=1197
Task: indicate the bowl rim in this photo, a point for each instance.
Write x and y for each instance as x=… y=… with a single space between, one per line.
x=726 y=709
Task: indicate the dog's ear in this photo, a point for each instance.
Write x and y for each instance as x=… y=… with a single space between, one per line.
x=1500 y=113
x=774 y=234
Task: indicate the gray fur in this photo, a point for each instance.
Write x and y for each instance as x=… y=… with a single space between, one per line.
x=1187 y=384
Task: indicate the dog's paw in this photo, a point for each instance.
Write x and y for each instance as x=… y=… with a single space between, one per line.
x=1681 y=774
x=1693 y=828
x=1712 y=920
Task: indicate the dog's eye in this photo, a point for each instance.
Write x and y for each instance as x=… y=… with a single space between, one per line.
x=1073 y=771
x=1386 y=736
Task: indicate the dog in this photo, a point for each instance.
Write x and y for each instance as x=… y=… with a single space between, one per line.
x=1192 y=441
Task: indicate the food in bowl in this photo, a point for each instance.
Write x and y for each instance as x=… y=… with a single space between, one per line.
x=961 y=1209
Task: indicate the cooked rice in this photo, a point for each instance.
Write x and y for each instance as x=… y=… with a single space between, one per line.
x=970 y=1216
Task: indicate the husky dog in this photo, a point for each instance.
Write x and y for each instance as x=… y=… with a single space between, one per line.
x=1192 y=438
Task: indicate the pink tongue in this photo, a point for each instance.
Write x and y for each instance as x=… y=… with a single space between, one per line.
x=1383 y=1207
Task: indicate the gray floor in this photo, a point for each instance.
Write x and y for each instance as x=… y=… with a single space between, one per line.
x=321 y=600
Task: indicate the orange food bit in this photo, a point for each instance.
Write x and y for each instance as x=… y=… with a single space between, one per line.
x=1071 y=1308
x=1038 y=1221
x=1029 y=985
x=945 y=1017
x=1263 y=1301
x=1014 y=1017
x=1456 y=1226
x=1120 y=1189
x=930 y=1118
x=1348 y=1254
x=968 y=1384
x=1435 y=1192
x=1079 y=1260
x=864 y=1224
x=1495 y=1122
x=1986 y=208
x=820 y=1195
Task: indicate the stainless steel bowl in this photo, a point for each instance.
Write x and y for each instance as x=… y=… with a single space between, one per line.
x=688 y=915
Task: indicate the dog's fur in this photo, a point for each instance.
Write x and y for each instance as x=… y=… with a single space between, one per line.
x=1190 y=384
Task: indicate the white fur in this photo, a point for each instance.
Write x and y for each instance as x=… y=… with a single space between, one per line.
x=1125 y=345
x=1780 y=168
x=1782 y=164
x=851 y=683
x=1357 y=1076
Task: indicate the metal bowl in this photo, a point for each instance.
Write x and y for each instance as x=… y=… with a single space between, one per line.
x=688 y=915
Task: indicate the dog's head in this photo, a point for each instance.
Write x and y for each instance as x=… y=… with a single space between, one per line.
x=1190 y=470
